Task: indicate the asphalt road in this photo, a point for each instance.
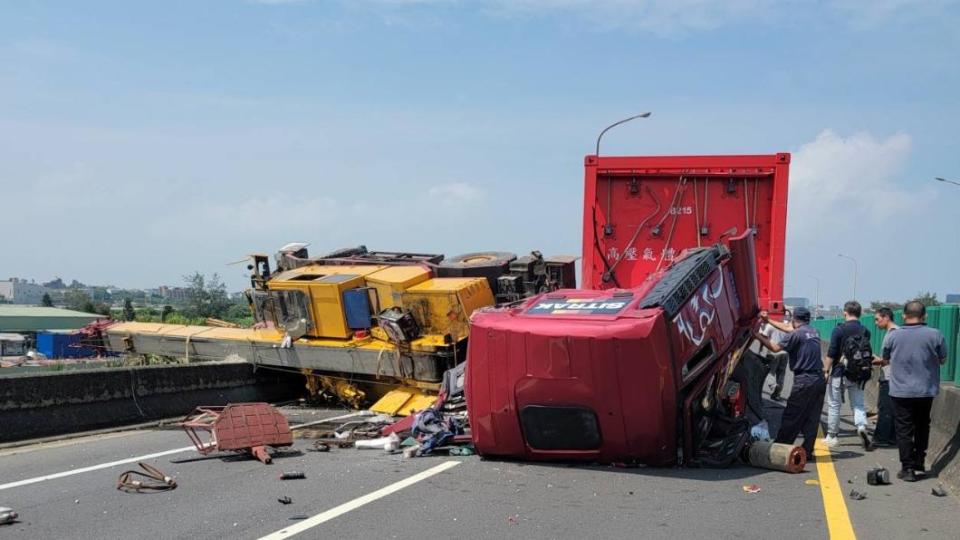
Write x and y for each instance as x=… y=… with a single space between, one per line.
x=473 y=498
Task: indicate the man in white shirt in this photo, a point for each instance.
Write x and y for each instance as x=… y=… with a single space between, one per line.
x=884 y=434
x=776 y=361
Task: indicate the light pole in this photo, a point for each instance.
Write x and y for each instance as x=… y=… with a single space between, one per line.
x=615 y=124
x=856 y=270
x=938 y=179
x=817 y=301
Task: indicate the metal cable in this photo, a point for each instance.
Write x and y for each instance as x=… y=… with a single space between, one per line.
x=636 y=233
x=673 y=225
x=696 y=209
x=153 y=480
x=746 y=205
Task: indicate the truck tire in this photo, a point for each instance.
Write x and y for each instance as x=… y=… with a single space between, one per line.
x=485 y=264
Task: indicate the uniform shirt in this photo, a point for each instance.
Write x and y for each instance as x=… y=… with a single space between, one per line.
x=803 y=346
x=837 y=338
x=914 y=352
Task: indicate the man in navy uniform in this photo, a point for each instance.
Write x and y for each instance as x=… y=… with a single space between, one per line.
x=802 y=344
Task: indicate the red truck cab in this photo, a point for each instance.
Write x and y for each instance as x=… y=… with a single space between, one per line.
x=639 y=366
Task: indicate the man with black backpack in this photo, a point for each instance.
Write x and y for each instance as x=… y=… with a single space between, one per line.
x=849 y=365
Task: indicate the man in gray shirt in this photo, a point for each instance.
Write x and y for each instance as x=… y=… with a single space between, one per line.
x=914 y=353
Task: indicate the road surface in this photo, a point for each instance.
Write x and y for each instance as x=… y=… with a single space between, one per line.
x=67 y=490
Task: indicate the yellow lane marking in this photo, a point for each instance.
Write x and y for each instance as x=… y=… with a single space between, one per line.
x=834 y=505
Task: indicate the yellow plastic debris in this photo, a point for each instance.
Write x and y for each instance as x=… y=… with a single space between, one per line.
x=403 y=401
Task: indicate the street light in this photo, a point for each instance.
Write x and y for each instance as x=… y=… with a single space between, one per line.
x=938 y=179
x=856 y=270
x=817 y=301
x=615 y=124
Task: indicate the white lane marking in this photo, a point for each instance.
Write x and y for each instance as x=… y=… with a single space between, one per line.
x=358 y=502
x=15 y=450
x=81 y=470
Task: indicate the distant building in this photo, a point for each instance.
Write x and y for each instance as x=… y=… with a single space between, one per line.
x=21 y=291
x=15 y=318
x=174 y=293
x=953 y=298
x=797 y=301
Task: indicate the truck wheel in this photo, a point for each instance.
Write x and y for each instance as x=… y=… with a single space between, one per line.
x=485 y=264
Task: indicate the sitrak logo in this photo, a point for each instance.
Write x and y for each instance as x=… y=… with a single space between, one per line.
x=578 y=306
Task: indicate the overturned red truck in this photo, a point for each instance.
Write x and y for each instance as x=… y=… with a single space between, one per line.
x=646 y=363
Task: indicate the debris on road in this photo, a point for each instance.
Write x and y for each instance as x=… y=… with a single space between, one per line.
x=298 y=517
x=320 y=446
x=153 y=480
x=751 y=488
x=285 y=500
x=857 y=496
x=776 y=456
x=389 y=443
x=7 y=515
x=434 y=429
x=812 y=482
x=292 y=475
x=878 y=476
x=938 y=491
x=238 y=427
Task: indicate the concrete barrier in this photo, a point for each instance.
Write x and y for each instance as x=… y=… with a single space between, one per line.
x=40 y=405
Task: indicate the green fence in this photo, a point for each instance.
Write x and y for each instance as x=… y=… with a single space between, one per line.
x=945 y=318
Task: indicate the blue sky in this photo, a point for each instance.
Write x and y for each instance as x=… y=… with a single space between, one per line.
x=140 y=142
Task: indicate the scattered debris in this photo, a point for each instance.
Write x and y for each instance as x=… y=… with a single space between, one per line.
x=7 y=515
x=388 y=443
x=938 y=491
x=462 y=451
x=752 y=488
x=238 y=427
x=320 y=446
x=878 y=477
x=153 y=480
x=298 y=516
x=284 y=500
x=292 y=475
x=812 y=482
x=857 y=496
x=435 y=429
x=513 y=520
x=776 y=456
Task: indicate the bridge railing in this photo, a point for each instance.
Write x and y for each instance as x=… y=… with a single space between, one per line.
x=945 y=318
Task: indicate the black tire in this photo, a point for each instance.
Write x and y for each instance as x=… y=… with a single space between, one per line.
x=485 y=264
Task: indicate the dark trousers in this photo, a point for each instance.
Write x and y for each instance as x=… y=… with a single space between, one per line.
x=912 y=420
x=885 y=431
x=777 y=366
x=802 y=415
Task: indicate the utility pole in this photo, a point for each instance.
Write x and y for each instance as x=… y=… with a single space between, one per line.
x=817 y=300
x=856 y=270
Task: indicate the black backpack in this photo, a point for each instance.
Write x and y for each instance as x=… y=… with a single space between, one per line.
x=859 y=357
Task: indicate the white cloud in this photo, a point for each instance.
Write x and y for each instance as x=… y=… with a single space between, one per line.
x=838 y=182
x=658 y=16
x=666 y=17
x=277 y=2
x=456 y=195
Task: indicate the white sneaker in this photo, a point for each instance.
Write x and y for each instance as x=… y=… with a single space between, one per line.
x=831 y=441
